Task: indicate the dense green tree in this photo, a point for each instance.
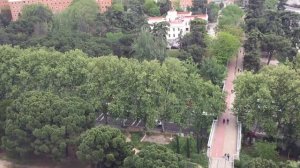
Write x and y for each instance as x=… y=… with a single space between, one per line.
x=199 y=6
x=66 y=41
x=5 y=17
x=213 y=11
x=160 y=29
x=252 y=61
x=119 y=7
x=290 y=25
x=211 y=70
x=224 y=47
x=279 y=46
x=255 y=8
x=151 y=8
x=297 y=62
x=41 y=123
x=8 y=70
x=153 y=156
x=79 y=16
x=235 y=31
x=272 y=94
x=252 y=51
x=231 y=15
x=164 y=6
x=270 y=4
x=40 y=17
x=123 y=47
x=195 y=42
x=3 y=106
x=149 y=47
x=265 y=150
x=125 y=88
x=289 y=164
x=180 y=144
x=103 y=147
x=258 y=162
x=135 y=17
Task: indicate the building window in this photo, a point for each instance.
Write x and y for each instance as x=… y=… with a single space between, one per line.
x=173 y=29
x=173 y=35
x=169 y=35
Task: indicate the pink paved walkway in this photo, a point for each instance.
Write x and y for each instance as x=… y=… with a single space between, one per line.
x=225 y=136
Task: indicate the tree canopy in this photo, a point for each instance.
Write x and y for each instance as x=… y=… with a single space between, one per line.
x=272 y=94
x=224 y=47
x=103 y=147
x=154 y=156
x=258 y=162
x=42 y=123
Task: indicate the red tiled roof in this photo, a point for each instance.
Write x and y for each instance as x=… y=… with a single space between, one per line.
x=183 y=13
x=155 y=18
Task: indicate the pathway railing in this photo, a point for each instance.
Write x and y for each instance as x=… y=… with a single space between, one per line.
x=211 y=137
x=220 y=163
x=239 y=140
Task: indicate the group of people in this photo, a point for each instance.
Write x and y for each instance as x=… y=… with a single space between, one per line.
x=226 y=155
x=227 y=120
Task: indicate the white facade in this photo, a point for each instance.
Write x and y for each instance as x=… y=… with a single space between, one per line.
x=179 y=24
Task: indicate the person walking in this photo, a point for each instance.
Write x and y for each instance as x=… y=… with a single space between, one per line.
x=227 y=121
x=223 y=120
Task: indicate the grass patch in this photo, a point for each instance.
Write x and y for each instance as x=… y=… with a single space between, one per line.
x=201 y=159
x=136 y=137
x=136 y=140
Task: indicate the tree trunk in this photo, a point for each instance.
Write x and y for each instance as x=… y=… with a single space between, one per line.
x=105 y=117
x=188 y=152
x=67 y=146
x=270 y=54
x=198 y=143
x=66 y=151
x=177 y=144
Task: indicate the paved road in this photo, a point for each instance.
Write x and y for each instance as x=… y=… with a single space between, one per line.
x=225 y=137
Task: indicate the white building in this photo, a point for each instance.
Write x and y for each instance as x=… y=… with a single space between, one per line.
x=179 y=24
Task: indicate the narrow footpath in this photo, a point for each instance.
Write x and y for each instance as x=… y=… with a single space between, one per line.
x=226 y=134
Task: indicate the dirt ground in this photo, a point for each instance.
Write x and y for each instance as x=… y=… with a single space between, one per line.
x=272 y=62
x=158 y=138
x=5 y=164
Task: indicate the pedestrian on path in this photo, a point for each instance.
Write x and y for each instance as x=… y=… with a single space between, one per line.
x=228 y=156
x=227 y=121
x=223 y=120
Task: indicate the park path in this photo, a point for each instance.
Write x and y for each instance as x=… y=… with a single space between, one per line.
x=225 y=136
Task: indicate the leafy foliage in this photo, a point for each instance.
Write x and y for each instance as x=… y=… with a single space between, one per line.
x=211 y=70
x=103 y=147
x=151 y=8
x=224 y=47
x=44 y=124
x=154 y=156
x=265 y=150
x=272 y=30
x=194 y=43
x=149 y=47
x=272 y=94
x=258 y=162
x=231 y=15
x=213 y=10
